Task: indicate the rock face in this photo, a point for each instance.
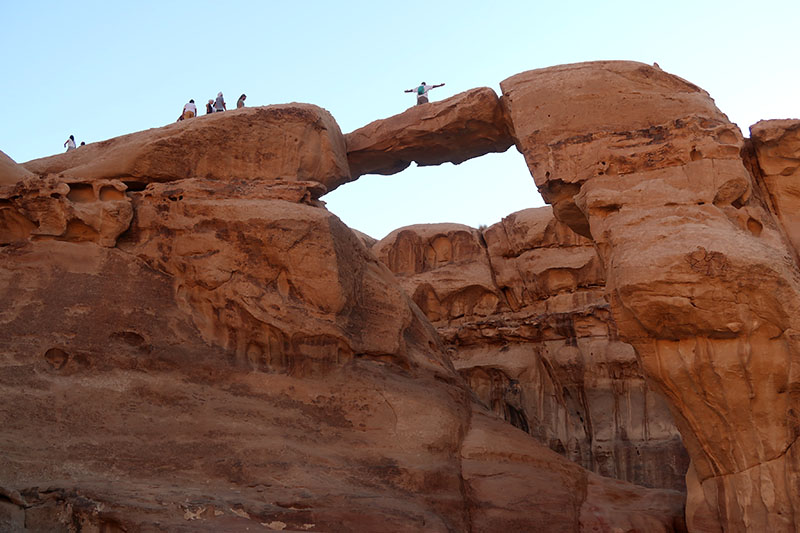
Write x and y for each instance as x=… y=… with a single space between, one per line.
x=777 y=151
x=11 y=172
x=225 y=355
x=68 y=210
x=521 y=308
x=700 y=280
x=290 y=142
x=461 y=127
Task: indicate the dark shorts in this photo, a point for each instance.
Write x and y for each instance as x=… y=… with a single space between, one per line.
x=422 y=99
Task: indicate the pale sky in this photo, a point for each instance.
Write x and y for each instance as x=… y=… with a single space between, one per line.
x=101 y=69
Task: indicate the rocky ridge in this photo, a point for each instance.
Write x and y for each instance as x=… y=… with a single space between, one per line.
x=220 y=352
x=196 y=343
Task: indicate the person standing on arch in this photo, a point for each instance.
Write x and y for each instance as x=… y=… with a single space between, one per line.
x=70 y=143
x=422 y=92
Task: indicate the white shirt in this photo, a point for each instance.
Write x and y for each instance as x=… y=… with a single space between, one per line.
x=425 y=89
x=190 y=107
x=70 y=144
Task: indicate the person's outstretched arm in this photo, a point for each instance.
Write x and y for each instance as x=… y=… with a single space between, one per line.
x=435 y=86
x=409 y=91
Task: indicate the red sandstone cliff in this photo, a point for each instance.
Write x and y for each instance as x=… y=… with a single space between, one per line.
x=191 y=341
x=521 y=308
x=218 y=352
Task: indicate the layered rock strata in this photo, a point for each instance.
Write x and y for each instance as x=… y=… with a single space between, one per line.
x=461 y=127
x=520 y=305
x=226 y=355
x=699 y=276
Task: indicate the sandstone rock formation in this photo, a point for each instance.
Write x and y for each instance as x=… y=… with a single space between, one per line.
x=11 y=172
x=69 y=210
x=521 y=308
x=461 y=127
x=777 y=151
x=700 y=279
x=221 y=353
x=290 y=141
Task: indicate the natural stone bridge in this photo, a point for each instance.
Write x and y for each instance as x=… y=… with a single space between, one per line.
x=190 y=272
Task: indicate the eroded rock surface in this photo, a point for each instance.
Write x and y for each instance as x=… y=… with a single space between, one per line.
x=521 y=308
x=777 y=150
x=232 y=357
x=700 y=279
x=290 y=141
x=68 y=210
x=461 y=127
x=11 y=172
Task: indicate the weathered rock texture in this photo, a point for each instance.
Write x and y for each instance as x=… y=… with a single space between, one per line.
x=777 y=150
x=699 y=276
x=290 y=141
x=10 y=171
x=68 y=210
x=521 y=308
x=235 y=359
x=461 y=127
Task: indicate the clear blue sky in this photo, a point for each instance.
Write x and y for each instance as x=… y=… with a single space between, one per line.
x=102 y=69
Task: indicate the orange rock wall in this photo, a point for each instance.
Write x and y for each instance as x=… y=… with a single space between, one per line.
x=700 y=278
x=521 y=307
x=221 y=353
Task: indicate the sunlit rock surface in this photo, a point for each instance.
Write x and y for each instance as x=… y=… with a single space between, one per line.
x=461 y=127
x=700 y=279
x=288 y=141
x=220 y=353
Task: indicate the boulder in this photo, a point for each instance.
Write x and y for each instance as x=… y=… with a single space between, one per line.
x=288 y=141
x=699 y=278
x=467 y=125
x=563 y=117
x=11 y=172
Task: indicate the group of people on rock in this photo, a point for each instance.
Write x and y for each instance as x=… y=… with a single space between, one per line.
x=218 y=105
x=213 y=106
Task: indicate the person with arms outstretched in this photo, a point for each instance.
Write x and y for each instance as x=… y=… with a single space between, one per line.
x=422 y=92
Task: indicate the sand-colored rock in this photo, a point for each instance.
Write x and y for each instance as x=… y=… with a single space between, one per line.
x=700 y=279
x=513 y=486
x=777 y=151
x=521 y=308
x=240 y=360
x=467 y=125
x=68 y=210
x=211 y=361
x=561 y=134
x=289 y=141
x=11 y=172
